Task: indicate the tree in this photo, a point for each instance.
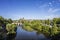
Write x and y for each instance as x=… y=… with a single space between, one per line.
x=58 y=27
x=54 y=30
x=47 y=22
x=1 y=20
x=11 y=28
x=56 y=21
x=10 y=21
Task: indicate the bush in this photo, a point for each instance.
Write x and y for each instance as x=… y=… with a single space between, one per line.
x=11 y=28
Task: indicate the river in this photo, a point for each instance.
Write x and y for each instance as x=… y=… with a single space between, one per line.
x=25 y=35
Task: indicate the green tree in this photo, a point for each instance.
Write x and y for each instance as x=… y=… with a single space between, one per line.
x=11 y=28
x=59 y=29
x=54 y=30
x=1 y=20
x=47 y=22
x=10 y=21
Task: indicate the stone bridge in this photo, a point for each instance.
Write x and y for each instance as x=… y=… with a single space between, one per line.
x=19 y=24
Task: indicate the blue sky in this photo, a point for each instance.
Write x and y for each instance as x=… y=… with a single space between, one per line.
x=30 y=9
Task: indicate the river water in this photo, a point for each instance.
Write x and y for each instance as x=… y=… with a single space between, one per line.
x=25 y=35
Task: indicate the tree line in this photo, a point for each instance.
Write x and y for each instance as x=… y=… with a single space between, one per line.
x=49 y=27
x=6 y=28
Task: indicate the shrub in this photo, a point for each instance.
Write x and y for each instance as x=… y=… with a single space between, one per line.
x=11 y=28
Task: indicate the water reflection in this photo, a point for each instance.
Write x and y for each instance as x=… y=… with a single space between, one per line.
x=25 y=35
x=22 y=34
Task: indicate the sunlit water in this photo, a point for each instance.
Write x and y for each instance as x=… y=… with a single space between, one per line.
x=25 y=35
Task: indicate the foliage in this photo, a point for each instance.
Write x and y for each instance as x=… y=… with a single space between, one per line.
x=59 y=29
x=1 y=20
x=0 y=27
x=5 y=21
x=54 y=30
x=10 y=20
x=11 y=28
x=43 y=26
x=56 y=20
x=40 y=26
x=47 y=22
x=45 y=29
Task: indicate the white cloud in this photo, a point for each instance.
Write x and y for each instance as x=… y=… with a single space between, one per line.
x=55 y=10
x=43 y=6
x=51 y=10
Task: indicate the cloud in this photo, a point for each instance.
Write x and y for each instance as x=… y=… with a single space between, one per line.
x=46 y=5
x=43 y=6
x=51 y=10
